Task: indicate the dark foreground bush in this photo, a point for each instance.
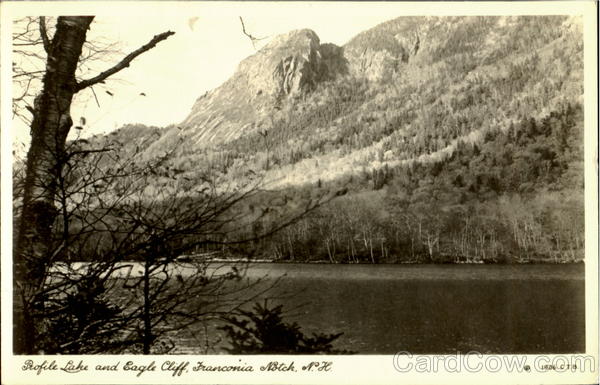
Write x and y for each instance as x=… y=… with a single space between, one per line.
x=263 y=331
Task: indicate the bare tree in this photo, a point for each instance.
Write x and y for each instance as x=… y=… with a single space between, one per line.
x=49 y=129
x=116 y=281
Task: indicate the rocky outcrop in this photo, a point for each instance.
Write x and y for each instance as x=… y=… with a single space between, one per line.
x=408 y=45
x=379 y=53
x=289 y=66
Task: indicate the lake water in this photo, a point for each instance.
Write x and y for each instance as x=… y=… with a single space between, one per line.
x=426 y=309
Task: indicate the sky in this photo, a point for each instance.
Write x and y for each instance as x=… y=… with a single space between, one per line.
x=204 y=52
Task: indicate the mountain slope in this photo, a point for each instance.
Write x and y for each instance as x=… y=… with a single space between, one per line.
x=468 y=75
x=407 y=89
x=437 y=126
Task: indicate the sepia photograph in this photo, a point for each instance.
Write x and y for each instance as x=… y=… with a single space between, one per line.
x=241 y=180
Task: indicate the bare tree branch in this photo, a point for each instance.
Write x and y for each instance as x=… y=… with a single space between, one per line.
x=252 y=38
x=123 y=63
x=44 y=34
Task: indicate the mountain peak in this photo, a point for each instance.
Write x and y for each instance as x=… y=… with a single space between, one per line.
x=293 y=40
x=290 y=65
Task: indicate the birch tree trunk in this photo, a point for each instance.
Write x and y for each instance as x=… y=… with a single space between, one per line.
x=49 y=129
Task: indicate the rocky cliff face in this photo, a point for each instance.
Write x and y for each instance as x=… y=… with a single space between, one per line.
x=378 y=53
x=291 y=65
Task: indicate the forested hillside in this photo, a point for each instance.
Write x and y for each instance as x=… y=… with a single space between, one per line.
x=457 y=138
x=516 y=196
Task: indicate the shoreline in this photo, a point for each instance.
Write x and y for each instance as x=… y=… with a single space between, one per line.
x=326 y=262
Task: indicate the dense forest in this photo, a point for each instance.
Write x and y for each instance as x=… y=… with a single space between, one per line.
x=517 y=196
